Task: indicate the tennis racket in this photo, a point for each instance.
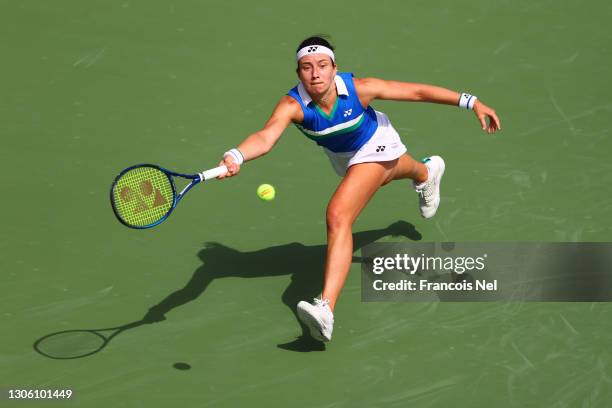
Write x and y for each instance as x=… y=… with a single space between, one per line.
x=144 y=195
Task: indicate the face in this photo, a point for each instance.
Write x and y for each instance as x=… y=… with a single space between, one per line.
x=317 y=73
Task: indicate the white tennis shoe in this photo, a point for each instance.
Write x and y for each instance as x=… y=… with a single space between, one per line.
x=429 y=190
x=318 y=317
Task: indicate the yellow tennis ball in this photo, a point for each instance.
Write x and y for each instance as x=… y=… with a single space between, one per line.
x=266 y=192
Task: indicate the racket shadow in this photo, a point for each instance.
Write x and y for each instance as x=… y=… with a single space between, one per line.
x=304 y=264
x=79 y=343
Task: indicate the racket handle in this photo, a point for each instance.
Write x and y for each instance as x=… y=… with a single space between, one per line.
x=213 y=173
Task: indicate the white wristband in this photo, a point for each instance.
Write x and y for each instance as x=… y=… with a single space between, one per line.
x=467 y=101
x=235 y=155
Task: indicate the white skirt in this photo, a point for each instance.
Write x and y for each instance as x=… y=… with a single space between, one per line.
x=384 y=145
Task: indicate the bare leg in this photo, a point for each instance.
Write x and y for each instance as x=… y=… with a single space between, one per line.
x=407 y=167
x=356 y=189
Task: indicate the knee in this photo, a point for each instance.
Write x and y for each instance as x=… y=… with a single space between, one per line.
x=337 y=219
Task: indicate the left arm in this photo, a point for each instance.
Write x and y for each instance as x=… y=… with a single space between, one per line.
x=369 y=89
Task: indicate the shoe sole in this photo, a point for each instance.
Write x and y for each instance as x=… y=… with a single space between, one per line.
x=313 y=324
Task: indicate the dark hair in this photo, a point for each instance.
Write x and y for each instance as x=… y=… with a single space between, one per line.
x=320 y=39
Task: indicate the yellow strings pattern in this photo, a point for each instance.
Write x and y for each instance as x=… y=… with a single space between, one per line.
x=143 y=196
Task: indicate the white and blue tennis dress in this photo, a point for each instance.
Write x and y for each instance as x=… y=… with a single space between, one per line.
x=350 y=134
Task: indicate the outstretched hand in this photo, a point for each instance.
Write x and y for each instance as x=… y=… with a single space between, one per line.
x=484 y=114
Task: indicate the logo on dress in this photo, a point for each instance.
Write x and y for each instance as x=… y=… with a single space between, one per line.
x=380 y=148
x=313 y=49
x=348 y=112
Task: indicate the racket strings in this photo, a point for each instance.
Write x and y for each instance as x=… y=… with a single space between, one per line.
x=142 y=196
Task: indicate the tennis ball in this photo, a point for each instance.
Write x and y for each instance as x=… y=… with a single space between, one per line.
x=266 y=192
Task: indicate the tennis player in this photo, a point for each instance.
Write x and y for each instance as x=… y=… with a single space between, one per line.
x=333 y=109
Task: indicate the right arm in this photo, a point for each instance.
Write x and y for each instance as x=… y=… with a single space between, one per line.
x=259 y=143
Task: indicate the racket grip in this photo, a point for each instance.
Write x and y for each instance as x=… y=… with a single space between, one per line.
x=213 y=173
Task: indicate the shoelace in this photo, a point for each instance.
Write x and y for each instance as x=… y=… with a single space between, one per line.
x=324 y=304
x=321 y=302
x=427 y=191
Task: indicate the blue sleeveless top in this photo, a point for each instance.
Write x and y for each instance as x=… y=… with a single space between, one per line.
x=348 y=127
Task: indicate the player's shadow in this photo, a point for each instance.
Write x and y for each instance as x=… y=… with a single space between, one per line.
x=304 y=264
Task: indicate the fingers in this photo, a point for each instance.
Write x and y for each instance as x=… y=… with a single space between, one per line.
x=486 y=114
x=491 y=128
x=496 y=120
x=232 y=168
x=483 y=122
x=494 y=124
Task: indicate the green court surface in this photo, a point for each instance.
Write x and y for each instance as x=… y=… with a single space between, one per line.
x=91 y=87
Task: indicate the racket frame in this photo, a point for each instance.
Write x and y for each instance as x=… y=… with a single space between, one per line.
x=195 y=179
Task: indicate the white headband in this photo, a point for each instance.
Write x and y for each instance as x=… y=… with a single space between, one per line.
x=315 y=49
